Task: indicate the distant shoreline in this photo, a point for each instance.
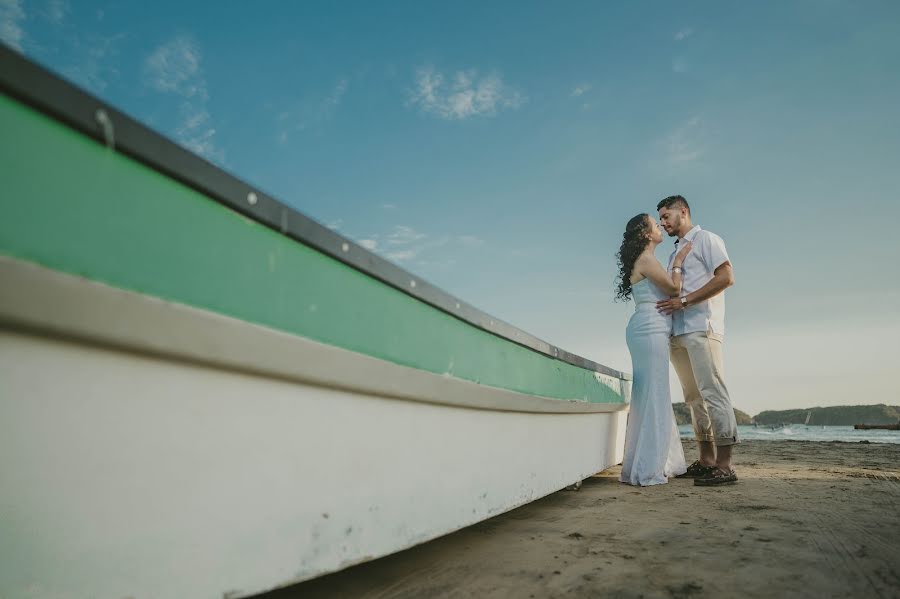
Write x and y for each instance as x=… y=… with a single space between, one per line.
x=817 y=416
x=807 y=434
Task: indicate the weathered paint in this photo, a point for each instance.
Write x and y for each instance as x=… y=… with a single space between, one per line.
x=130 y=475
x=73 y=205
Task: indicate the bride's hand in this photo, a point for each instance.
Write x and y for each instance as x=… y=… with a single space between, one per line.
x=683 y=252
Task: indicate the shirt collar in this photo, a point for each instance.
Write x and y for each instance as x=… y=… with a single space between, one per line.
x=689 y=236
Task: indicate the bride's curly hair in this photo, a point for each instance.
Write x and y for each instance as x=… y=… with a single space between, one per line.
x=634 y=241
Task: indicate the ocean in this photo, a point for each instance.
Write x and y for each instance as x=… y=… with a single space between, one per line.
x=800 y=432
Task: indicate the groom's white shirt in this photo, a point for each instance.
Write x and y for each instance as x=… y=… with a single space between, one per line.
x=698 y=269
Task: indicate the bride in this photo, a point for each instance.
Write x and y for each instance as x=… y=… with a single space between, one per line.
x=652 y=446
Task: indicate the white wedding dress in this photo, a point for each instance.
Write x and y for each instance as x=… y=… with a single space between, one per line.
x=652 y=446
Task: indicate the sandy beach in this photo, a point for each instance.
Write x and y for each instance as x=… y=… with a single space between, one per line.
x=806 y=519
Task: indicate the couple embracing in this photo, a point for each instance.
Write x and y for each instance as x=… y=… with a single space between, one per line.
x=679 y=316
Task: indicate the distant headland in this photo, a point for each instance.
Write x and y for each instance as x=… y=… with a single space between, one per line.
x=831 y=415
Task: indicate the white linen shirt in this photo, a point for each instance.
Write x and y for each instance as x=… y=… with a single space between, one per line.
x=698 y=269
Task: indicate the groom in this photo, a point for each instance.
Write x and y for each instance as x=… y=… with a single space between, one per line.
x=698 y=329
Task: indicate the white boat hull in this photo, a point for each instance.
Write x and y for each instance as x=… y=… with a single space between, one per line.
x=139 y=473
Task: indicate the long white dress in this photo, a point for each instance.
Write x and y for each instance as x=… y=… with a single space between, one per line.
x=652 y=446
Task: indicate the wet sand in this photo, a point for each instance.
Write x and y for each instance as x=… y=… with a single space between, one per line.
x=806 y=519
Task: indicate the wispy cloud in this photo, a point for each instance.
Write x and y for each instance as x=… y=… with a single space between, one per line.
x=95 y=61
x=57 y=10
x=580 y=90
x=684 y=145
x=297 y=119
x=175 y=67
x=464 y=95
x=470 y=241
x=402 y=235
x=683 y=34
x=679 y=65
x=339 y=90
x=404 y=244
x=11 y=17
x=82 y=56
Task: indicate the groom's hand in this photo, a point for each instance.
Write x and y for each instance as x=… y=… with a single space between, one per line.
x=668 y=306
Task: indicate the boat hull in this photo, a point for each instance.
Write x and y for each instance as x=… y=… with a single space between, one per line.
x=205 y=393
x=228 y=461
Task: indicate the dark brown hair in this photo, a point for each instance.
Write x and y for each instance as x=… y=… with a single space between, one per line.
x=634 y=241
x=673 y=201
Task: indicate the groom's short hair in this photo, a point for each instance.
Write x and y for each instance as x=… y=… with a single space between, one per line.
x=673 y=202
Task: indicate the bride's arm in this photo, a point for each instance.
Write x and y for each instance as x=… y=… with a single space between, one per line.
x=648 y=266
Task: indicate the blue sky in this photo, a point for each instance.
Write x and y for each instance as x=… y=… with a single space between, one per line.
x=497 y=149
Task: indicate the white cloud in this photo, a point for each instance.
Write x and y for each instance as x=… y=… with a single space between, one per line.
x=404 y=244
x=11 y=16
x=402 y=235
x=95 y=61
x=684 y=34
x=470 y=241
x=57 y=10
x=580 y=90
x=401 y=255
x=335 y=225
x=683 y=145
x=301 y=118
x=175 y=68
x=339 y=90
x=196 y=131
x=466 y=95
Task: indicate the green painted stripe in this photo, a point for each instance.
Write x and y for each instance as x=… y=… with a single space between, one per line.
x=71 y=204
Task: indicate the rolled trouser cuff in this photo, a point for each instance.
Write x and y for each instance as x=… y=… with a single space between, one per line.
x=725 y=441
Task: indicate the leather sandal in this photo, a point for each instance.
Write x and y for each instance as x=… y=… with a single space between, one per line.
x=696 y=470
x=717 y=477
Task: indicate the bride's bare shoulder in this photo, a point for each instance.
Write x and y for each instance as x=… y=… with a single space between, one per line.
x=644 y=258
x=639 y=271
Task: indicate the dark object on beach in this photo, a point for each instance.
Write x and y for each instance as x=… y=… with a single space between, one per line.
x=887 y=427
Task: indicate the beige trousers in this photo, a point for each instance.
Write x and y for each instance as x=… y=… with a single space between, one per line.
x=697 y=358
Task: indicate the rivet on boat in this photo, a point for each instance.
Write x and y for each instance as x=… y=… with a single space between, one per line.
x=251 y=198
x=412 y=283
x=106 y=124
x=457 y=305
x=345 y=247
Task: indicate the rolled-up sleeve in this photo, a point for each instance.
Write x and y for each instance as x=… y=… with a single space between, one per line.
x=712 y=251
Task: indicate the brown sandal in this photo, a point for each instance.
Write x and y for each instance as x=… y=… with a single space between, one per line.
x=717 y=476
x=697 y=470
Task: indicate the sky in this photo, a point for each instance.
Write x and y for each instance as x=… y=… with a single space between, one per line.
x=497 y=149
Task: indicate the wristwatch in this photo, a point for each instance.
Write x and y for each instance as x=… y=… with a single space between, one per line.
x=676 y=269
x=684 y=301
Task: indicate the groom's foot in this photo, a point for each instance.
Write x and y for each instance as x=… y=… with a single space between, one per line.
x=697 y=470
x=718 y=476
